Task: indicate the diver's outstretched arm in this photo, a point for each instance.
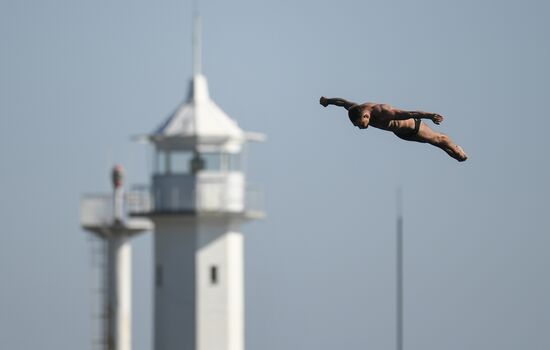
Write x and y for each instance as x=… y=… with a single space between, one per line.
x=340 y=102
x=403 y=115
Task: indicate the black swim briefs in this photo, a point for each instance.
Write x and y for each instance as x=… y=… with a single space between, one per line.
x=407 y=135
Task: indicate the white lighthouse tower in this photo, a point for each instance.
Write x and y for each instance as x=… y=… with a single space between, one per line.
x=199 y=199
x=105 y=216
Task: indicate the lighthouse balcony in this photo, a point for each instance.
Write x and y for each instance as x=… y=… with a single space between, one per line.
x=199 y=194
x=97 y=214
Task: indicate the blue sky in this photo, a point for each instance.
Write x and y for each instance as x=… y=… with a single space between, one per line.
x=78 y=78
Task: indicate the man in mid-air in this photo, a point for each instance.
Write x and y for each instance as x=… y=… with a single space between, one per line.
x=406 y=125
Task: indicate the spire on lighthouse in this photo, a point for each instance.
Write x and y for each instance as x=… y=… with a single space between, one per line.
x=197 y=45
x=199 y=85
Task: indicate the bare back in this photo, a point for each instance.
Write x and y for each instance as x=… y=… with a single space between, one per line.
x=382 y=116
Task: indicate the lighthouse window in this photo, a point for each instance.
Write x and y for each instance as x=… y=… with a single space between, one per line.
x=158 y=276
x=212 y=161
x=213 y=274
x=160 y=162
x=234 y=162
x=180 y=161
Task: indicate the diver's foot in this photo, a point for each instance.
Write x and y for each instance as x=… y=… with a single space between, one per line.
x=323 y=101
x=460 y=154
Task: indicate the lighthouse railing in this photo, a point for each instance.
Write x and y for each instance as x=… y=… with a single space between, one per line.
x=96 y=209
x=214 y=198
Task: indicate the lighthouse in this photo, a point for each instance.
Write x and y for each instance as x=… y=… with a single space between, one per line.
x=105 y=216
x=199 y=198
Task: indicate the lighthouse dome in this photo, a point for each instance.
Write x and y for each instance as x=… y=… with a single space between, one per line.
x=199 y=123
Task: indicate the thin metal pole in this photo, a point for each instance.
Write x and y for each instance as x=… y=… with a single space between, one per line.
x=399 y=273
x=197 y=45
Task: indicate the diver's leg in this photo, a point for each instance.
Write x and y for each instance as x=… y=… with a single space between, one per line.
x=427 y=135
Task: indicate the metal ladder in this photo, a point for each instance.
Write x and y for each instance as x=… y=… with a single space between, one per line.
x=98 y=292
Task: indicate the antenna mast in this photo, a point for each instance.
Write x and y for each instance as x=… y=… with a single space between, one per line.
x=399 y=272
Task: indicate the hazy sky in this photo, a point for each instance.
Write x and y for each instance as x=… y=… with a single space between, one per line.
x=78 y=78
